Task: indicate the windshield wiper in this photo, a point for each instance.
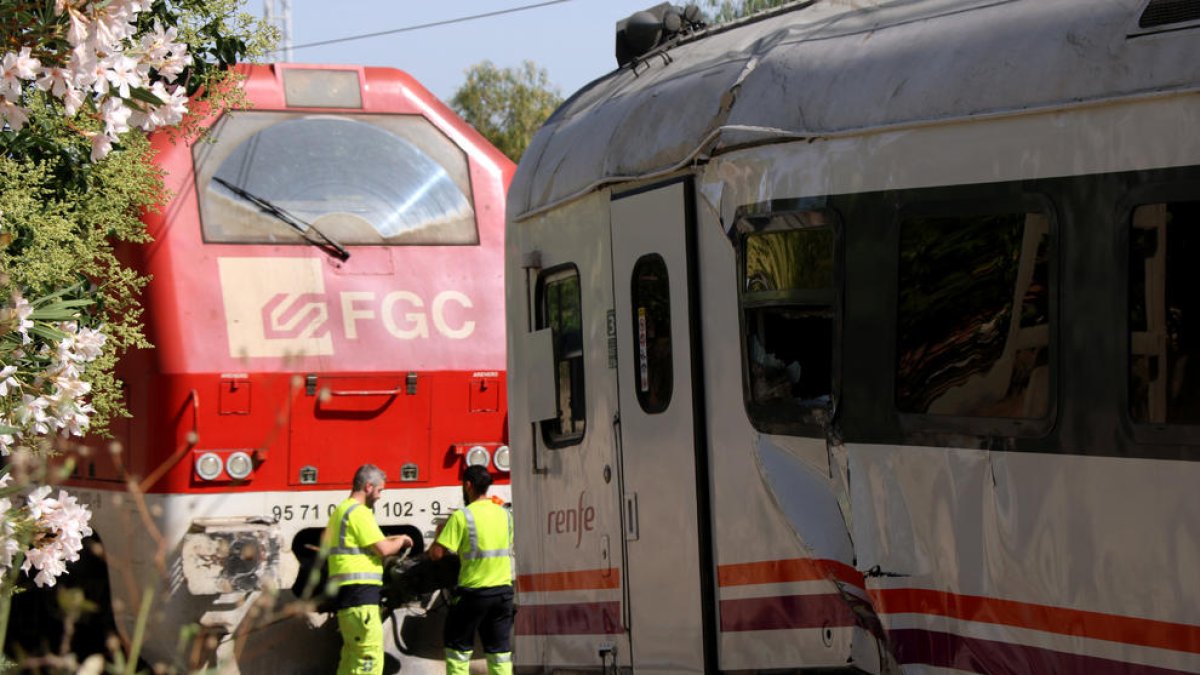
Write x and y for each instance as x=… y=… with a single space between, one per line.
x=306 y=230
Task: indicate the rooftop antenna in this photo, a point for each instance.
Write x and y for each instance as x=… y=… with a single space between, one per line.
x=278 y=13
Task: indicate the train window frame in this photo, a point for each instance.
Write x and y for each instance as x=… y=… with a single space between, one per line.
x=979 y=201
x=1145 y=432
x=654 y=386
x=546 y=277
x=812 y=421
x=208 y=157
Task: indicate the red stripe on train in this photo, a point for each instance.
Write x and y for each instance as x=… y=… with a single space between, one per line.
x=578 y=580
x=577 y=618
x=786 y=612
x=947 y=650
x=780 y=571
x=1061 y=620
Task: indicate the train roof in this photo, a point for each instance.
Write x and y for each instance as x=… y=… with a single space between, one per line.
x=826 y=68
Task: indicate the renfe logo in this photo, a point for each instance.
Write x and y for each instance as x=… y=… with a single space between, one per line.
x=577 y=520
x=279 y=307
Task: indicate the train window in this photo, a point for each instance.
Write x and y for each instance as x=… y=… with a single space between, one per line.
x=973 y=324
x=358 y=179
x=788 y=313
x=560 y=310
x=1164 y=314
x=651 y=305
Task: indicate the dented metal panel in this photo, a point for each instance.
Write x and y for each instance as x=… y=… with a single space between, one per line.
x=835 y=69
x=232 y=555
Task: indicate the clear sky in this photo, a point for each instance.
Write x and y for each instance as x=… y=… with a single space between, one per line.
x=572 y=40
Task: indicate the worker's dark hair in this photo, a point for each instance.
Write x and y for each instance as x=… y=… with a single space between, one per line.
x=479 y=478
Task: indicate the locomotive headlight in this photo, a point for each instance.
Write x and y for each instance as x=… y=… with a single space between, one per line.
x=478 y=456
x=208 y=466
x=500 y=459
x=239 y=465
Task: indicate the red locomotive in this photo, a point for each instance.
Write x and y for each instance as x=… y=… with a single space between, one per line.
x=327 y=292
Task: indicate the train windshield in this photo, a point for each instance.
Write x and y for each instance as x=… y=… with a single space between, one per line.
x=359 y=179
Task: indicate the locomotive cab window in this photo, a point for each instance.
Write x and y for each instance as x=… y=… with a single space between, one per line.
x=788 y=300
x=1164 y=313
x=651 y=303
x=973 y=317
x=560 y=309
x=356 y=179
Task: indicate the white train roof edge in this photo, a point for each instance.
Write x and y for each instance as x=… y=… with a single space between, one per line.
x=838 y=67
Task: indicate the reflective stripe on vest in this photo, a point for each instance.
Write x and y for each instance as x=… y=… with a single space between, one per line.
x=473 y=552
x=356 y=576
x=343 y=550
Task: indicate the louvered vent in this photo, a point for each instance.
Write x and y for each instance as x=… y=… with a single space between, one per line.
x=1166 y=12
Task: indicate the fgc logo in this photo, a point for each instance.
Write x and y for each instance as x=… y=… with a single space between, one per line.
x=295 y=316
x=279 y=307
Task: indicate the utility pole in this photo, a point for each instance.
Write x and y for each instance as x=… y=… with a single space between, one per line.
x=278 y=13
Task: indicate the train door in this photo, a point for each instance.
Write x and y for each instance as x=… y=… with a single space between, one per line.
x=667 y=549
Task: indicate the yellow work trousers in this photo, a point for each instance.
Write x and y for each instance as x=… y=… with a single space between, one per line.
x=362 y=641
x=459 y=663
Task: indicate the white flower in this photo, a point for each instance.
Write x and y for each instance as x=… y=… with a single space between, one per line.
x=62 y=524
x=20 y=310
x=39 y=501
x=69 y=522
x=76 y=424
x=172 y=110
x=89 y=343
x=83 y=66
x=14 y=68
x=122 y=73
x=25 y=66
x=31 y=414
x=170 y=68
x=71 y=388
x=72 y=101
x=49 y=563
x=7 y=381
x=157 y=43
x=79 y=29
x=101 y=146
x=55 y=80
x=13 y=114
x=115 y=114
x=9 y=546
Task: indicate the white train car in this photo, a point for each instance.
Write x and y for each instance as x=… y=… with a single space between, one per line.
x=864 y=337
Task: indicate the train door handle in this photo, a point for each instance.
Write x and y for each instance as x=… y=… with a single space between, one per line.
x=631 y=517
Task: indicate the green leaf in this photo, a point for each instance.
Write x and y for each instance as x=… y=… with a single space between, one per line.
x=48 y=333
x=63 y=305
x=144 y=95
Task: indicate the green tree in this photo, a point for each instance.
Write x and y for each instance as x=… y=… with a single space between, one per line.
x=506 y=105
x=728 y=10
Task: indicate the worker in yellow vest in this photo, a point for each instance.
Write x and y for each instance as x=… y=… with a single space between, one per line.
x=356 y=547
x=481 y=535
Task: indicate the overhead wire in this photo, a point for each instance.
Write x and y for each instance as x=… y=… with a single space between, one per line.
x=432 y=24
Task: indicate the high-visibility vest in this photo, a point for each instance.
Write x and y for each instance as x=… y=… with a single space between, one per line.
x=348 y=562
x=486 y=550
